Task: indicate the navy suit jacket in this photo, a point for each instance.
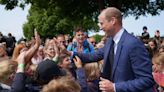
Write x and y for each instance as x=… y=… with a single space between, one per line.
x=132 y=67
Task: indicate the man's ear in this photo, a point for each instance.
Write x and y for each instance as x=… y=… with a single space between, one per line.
x=113 y=20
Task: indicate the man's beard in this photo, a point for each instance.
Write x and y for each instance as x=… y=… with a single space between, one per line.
x=109 y=33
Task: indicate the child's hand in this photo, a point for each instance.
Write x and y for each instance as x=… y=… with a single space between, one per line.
x=21 y=62
x=56 y=47
x=77 y=62
x=21 y=58
x=37 y=37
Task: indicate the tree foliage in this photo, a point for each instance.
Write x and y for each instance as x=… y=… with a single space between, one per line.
x=60 y=17
x=52 y=17
x=98 y=37
x=128 y=7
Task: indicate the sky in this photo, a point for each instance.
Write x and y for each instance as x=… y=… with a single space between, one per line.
x=13 y=20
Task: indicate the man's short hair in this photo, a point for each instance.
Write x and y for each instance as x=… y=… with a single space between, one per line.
x=144 y=28
x=60 y=35
x=9 y=34
x=157 y=31
x=113 y=12
x=79 y=29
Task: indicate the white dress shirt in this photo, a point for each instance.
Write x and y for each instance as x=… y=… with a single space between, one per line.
x=117 y=38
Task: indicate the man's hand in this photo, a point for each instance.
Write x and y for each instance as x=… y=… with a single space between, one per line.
x=106 y=85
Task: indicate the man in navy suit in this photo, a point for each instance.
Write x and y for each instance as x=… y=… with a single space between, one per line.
x=130 y=69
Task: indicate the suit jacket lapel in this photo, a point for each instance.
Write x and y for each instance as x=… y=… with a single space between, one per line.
x=107 y=51
x=118 y=52
x=116 y=58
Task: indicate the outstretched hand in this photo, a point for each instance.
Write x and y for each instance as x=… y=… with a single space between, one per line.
x=77 y=62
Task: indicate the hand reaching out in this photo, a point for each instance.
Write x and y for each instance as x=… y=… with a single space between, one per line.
x=77 y=62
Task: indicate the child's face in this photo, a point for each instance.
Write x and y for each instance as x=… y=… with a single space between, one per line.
x=50 y=51
x=151 y=44
x=40 y=51
x=66 y=62
x=158 y=67
x=80 y=36
x=161 y=67
x=155 y=67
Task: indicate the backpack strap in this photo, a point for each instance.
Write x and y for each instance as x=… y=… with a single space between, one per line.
x=73 y=46
x=88 y=46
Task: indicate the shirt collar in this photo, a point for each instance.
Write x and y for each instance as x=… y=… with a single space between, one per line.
x=118 y=35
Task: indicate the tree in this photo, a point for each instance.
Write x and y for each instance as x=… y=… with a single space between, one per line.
x=52 y=17
x=98 y=37
x=58 y=18
x=128 y=7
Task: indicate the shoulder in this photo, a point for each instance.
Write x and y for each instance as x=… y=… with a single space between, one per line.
x=86 y=44
x=131 y=41
x=91 y=46
x=70 y=46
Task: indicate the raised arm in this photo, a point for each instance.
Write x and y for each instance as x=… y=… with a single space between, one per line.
x=18 y=84
x=81 y=77
x=31 y=52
